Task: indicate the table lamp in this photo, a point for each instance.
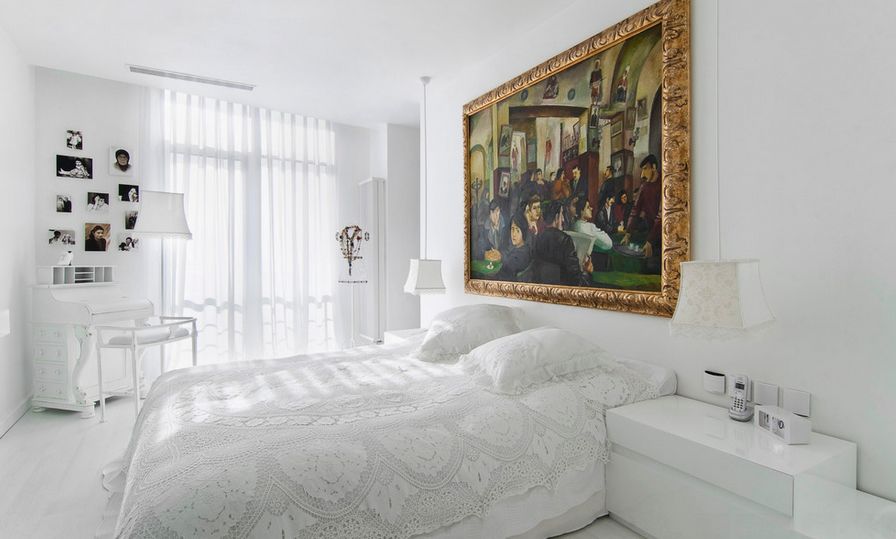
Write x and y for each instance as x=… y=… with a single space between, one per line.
x=720 y=299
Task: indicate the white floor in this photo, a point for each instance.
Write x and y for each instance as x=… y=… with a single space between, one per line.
x=50 y=466
x=50 y=483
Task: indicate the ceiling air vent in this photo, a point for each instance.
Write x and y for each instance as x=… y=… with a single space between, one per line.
x=190 y=78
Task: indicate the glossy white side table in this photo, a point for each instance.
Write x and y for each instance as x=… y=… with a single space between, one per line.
x=680 y=468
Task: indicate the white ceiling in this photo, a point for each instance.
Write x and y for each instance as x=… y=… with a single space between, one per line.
x=351 y=61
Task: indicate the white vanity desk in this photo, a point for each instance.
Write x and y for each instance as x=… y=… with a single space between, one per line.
x=67 y=304
x=680 y=468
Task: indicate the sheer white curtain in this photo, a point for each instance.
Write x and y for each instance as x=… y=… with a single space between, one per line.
x=259 y=185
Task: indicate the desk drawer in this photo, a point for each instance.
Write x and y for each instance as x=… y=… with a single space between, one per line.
x=50 y=334
x=50 y=390
x=49 y=352
x=46 y=371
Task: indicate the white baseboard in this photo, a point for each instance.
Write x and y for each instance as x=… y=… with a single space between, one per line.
x=7 y=422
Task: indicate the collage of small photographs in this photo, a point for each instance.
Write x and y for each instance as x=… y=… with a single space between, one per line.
x=96 y=234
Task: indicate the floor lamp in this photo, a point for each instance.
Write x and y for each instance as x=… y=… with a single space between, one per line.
x=162 y=215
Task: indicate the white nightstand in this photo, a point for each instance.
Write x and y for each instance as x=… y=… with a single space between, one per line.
x=397 y=336
x=680 y=468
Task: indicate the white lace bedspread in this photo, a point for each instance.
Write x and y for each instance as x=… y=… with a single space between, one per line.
x=356 y=444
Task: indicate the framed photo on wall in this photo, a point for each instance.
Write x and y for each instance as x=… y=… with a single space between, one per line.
x=69 y=166
x=128 y=242
x=129 y=193
x=96 y=236
x=130 y=220
x=63 y=203
x=97 y=202
x=74 y=140
x=59 y=237
x=613 y=234
x=120 y=161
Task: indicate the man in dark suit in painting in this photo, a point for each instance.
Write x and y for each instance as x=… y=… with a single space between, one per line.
x=607 y=188
x=534 y=184
x=606 y=216
x=493 y=236
x=622 y=208
x=646 y=212
x=578 y=185
x=532 y=212
x=555 y=253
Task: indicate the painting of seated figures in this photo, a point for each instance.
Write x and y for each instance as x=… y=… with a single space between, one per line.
x=566 y=176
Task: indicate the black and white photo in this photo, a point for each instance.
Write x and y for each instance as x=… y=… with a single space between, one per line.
x=58 y=237
x=128 y=193
x=120 y=161
x=96 y=236
x=97 y=202
x=63 y=204
x=130 y=220
x=127 y=242
x=74 y=140
x=69 y=166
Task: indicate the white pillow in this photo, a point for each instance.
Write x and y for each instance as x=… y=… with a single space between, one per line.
x=533 y=357
x=459 y=330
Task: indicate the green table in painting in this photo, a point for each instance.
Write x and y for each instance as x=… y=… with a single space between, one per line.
x=627 y=281
x=481 y=270
x=627 y=270
x=623 y=259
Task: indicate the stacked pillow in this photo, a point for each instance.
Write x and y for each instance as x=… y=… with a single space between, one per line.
x=517 y=362
x=490 y=343
x=458 y=331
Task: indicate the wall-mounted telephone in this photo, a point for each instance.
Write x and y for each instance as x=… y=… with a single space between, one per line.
x=741 y=408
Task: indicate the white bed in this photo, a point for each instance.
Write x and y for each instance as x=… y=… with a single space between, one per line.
x=370 y=443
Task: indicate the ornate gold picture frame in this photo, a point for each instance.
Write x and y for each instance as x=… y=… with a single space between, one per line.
x=577 y=172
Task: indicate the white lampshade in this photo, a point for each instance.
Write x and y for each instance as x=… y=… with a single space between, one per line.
x=425 y=277
x=720 y=299
x=162 y=214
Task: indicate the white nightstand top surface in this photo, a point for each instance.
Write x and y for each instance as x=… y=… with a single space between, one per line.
x=710 y=426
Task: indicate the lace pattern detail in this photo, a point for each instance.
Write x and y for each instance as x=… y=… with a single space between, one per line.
x=352 y=445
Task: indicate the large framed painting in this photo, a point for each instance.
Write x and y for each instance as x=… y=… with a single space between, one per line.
x=577 y=172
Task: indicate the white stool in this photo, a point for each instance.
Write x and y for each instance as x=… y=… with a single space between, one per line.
x=135 y=340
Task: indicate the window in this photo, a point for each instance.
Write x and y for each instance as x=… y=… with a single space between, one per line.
x=260 y=197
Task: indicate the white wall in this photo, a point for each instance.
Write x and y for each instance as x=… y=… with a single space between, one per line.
x=352 y=167
x=807 y=171
x=17 y=181
x=395 y=156
x=402 y=220
x=107 y=113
